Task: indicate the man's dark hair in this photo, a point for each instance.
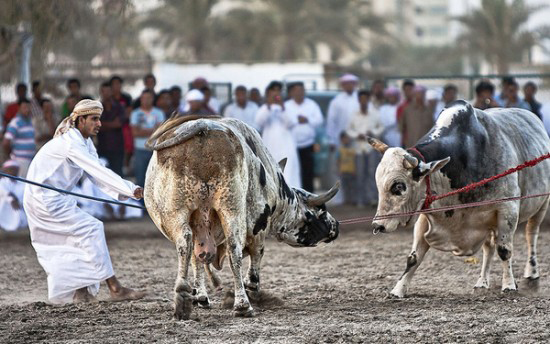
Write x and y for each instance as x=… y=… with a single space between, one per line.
x=116 y=77
x=291 y=85
x=105 y=84
x=23 y=100
x=484 y=85
x=205 y=88
x=240 y=88
x=530 y=84
x=378 y=81
x=78 y=119
x=274 y=84
x=148 y=91
x=149 y=76
x=21 y=86
x=450 y=87
x=363 y=93
x=44 y=101
x=508 y=80
x=35 y=84
x=73 y=81
x=514 y=83
x=163 y=91
x=175 y=89
x=408 y=82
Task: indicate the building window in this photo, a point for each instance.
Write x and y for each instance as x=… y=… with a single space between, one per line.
x=419 y=32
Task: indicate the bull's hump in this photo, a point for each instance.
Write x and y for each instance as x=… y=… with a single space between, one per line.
x=456 y=116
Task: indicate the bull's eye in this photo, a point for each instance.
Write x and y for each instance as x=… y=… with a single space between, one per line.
x=398 y=188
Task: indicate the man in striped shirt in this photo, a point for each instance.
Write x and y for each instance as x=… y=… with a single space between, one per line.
x=19 y=141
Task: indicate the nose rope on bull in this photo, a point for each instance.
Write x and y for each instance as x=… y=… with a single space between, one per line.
x=430 y=198
x=49 y=187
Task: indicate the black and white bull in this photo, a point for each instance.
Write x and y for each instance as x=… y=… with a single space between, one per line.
x=212 y=188
x=467 y=145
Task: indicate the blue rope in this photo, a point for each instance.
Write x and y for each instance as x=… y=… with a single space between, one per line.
x=70 y=193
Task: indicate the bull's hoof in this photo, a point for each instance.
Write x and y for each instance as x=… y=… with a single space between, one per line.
x=509 y=291
x=530 y=284
x=479 y=290
x=244 y=312
x=183 y=306
x=202 y=302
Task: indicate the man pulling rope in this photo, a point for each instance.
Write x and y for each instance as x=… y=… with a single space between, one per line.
x=70 y=244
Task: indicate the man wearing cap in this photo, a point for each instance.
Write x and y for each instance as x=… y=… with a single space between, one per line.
x=340 y=112
x=69 y=243
x=194 y=104
x=12 y=215
x=212 y=103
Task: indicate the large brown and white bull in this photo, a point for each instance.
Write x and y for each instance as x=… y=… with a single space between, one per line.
x=467 y=145
x=213 y=189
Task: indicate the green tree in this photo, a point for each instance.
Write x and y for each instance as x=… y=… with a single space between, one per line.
x=498 y=32
x=74 y=30
x=184 y=25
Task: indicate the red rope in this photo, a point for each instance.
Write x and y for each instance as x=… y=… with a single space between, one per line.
x=431 y=198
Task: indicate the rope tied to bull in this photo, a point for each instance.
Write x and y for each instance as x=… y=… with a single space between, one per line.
x=45 y=186
x=430 y=197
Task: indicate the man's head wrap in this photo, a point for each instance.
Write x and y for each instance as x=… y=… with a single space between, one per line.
x=83 y=108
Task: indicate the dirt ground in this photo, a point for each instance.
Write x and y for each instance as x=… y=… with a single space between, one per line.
x=331 y=294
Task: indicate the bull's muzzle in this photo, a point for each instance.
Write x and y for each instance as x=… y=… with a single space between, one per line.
x=378 y=228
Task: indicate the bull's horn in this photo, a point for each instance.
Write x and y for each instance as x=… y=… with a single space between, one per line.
x=324 y=198
x=410 y=161
x=377 y=144
x=282 y=164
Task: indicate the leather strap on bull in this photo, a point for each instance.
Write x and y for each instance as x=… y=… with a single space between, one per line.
x=430 y=198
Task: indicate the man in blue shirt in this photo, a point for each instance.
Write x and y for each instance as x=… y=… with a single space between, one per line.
x=144 y=121
x=19 y=142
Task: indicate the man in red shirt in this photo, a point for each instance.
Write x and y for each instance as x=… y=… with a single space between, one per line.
x=11 y=109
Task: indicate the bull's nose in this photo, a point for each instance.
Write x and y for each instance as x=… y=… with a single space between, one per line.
x=378 y=228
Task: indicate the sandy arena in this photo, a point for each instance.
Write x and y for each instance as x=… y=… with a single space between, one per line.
x=331 y=294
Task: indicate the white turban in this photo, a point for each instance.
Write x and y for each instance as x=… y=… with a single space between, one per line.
x=83 y=108
x=194 y=95
x=349 y=78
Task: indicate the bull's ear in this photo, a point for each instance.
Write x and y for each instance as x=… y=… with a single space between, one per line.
x=434 y=166
x=282 y=164
x=377 y=144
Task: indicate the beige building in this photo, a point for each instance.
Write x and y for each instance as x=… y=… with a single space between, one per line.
x=421 y=22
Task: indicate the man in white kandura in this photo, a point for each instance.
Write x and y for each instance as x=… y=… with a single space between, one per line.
x=70 y=244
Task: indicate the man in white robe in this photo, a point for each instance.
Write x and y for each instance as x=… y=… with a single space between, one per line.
x=340 y=111
x=12 y=215
x=70 y=244
x=276 y=127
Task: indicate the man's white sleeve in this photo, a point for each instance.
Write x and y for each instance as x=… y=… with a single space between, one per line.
x=108 y=181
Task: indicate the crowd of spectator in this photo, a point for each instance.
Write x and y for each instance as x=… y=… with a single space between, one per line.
x=291 y=124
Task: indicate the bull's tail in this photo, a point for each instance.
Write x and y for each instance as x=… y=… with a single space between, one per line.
x=186 y=130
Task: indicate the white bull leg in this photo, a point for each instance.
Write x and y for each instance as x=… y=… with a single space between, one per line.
x=419 y=249
x=532 y=227
x=507 y=221
x=235 y=229
x=200 y=293
x=488 y=253
x=183 y=299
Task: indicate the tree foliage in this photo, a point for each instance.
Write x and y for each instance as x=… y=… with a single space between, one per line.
x=498 y=32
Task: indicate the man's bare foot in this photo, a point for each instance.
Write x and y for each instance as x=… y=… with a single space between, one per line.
x=83 y=296
x=125 y=294
x=120 y=293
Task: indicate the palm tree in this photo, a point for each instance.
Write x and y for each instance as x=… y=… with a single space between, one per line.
x=499 y=33
x=184 y=24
